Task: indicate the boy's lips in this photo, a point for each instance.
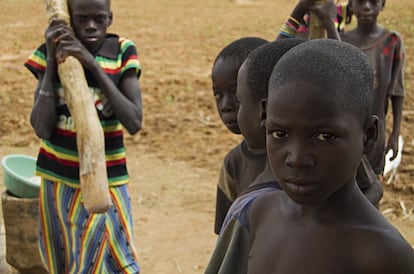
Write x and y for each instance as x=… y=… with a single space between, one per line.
x=231 y=123
x=300 y=186
x=230 y=120
x=366 y=17
x=91 y=39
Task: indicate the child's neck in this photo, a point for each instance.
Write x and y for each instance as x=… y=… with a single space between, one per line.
x=258 y=150
x=329 y=209
x=368 y=30
x=364 y=34
x=265 y=176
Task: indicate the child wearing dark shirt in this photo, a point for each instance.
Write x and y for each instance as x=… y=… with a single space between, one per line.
x=252 y=94
x=386 y=52
x=241 y=165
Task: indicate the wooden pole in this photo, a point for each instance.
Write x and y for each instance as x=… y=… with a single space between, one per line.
x=316 y=29
x=89 y=133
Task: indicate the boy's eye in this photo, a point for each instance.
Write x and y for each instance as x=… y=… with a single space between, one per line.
x=81 y=18
x=325 y=137
x=101 y=18
x=218 y=95
x=279 y=134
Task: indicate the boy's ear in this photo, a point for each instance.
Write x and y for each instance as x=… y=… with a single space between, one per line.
x=370 y=133
x=263 y=114
x=110 y=18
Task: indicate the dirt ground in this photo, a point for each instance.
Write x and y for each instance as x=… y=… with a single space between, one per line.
x=175 y=159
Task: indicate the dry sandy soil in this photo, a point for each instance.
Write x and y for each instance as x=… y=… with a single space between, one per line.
x=174 y=160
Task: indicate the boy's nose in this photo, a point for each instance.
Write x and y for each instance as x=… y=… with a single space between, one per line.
x=299 y=157
x=367 y=5
x=91 y=25
x=229 y=104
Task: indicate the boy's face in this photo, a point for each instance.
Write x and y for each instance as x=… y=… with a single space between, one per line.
x=90 y=20
x=250 y=113
x=224 y=78
x=366 y=11
x=314 y=147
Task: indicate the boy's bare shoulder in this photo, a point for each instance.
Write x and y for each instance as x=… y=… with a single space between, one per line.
x=371 y=243
x=385 y=251
x=268 y=202
x=267 y=205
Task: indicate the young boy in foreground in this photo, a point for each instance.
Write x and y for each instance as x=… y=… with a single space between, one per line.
x=245 y=161
x=319 y=124
x=318 y=128
x=367 y=175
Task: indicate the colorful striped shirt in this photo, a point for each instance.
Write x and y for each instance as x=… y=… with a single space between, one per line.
x=58 y=159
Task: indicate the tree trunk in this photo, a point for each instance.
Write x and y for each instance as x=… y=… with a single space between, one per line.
x=89 y=133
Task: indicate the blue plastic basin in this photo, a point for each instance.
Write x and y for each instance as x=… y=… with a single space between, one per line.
x=19 y=175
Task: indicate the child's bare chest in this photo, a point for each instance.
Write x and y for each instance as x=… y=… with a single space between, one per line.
x=363 y=41
x=308 y=250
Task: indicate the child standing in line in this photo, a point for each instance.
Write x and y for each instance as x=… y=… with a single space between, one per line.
x=386 y=51
x=321 y=222
x=71 y=239
x=367 y=178
x=229 y=255
x=241 y=165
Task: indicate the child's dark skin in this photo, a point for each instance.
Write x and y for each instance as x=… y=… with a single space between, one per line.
x=367 y=30
x=242 y=164
x=388 y=61
x=89 y=21
x=367 y=179
x=224 y=78
x=250 y=114
x=321 y=222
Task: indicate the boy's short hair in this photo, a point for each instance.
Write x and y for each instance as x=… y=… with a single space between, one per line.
x=240 y=48
x=70 y=2
x=383 y=3
x=261 y=61
x=342 y=69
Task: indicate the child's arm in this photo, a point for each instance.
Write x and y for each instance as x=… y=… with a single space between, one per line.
x=368 y=182
x=396 y=93
x=43 y=117
x=125 y=100
x=397 y=107
x=326 y=13
x=293 y=22
x=226 y=194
